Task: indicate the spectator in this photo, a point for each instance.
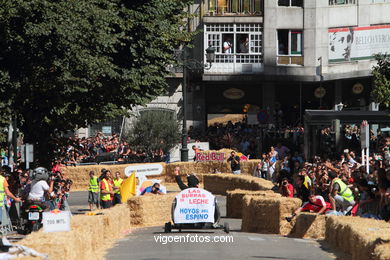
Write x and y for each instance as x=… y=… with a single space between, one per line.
x=286 y=188
x=117 y=184
x=106 y=190
x=234 y=163
x=93 y=191
x=341 y=197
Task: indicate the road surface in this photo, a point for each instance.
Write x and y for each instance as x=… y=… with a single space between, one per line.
x=153 y=244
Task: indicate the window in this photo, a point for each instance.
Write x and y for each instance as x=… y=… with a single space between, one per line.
x=235 y=42
x=380 y=1
x=290 y=3
x=290 y=47
x=341 y=2
x=253 y=7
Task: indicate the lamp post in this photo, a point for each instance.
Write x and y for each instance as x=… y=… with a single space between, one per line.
x=190 y=64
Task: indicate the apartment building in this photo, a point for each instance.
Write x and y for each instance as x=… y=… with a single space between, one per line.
x=287 y=55
x=280 y=57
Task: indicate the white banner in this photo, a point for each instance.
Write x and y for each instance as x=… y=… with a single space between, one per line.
x=358 y=43
x=56 y=221
x=146 y=169
x=194 y=205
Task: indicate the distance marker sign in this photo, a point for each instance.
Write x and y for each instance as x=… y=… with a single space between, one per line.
x=194 y=205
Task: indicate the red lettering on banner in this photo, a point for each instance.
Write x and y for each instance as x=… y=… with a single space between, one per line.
x=210 y=156
x=198 y=201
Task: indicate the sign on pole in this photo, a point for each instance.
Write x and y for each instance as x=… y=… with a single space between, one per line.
x=56 y=221
x=194 y=205
x=365 y=135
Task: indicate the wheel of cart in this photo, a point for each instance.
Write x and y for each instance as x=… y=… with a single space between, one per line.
x=195 y=208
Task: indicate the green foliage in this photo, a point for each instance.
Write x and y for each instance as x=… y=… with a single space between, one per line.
x=70 y=63
x=154 y=130
x=381 y=73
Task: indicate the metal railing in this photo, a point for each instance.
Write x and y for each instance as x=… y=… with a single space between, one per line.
x=236 y=7
x=238 y=58
x=342 y=2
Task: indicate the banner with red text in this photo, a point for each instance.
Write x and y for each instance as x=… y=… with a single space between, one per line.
x=194 y=205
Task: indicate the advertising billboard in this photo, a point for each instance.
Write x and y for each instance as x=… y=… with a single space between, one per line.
x=358 y=43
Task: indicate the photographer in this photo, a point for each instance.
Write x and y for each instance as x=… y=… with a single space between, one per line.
x=39 y=185
x=286 y=188
x=234 y=163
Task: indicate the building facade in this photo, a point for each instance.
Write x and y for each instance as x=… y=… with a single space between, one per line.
x=285 y=56
x=279 y=57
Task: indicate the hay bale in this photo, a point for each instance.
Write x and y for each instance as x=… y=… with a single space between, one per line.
x=150 y=210
x=234 y=200
x=89 y=237
x=360 y=237
x=267 y=215
x=309 y=225
x=382 y=252
x=221 y=183
x=80 y=174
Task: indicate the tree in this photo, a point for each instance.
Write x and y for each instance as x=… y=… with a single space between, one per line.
x=154 y=130
x=381 y=73
x=66 y=64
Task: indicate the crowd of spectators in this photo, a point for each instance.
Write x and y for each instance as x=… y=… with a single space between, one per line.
x=342 y=186
x=246 y=138
x=101 y=148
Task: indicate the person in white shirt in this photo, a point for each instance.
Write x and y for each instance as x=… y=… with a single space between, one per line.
x=227 y=46
x=39 y=185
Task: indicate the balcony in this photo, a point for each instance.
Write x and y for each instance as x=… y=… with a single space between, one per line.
x=235 y=8
x=290 y=60
x=237 y=64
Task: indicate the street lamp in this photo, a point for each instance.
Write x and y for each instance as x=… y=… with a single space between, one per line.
x=191 y=64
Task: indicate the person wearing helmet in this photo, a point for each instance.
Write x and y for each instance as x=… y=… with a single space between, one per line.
x=39 y=184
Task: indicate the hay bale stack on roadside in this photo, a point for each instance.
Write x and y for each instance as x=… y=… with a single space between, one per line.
x=88 y=238
x=267 y=215
x=234 y=200
x=362 y=238
x=309 y=225
x=221 y=183
x=150 y=210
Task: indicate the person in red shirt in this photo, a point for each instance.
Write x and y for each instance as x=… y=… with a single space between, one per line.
x=316 y=204
x=286 y=188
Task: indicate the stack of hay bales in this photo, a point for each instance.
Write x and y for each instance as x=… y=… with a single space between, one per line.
x=150 y=210
x=309 y=225
x=88 y=238
x=234 y=200
x=80 y=174
x=221 y=183
x=267 y=215
x=362 y=238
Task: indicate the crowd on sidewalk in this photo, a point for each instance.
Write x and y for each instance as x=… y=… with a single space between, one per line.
x=341 y=186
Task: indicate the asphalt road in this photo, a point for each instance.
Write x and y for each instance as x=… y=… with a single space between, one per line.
x=153 y=244
x=78 y=202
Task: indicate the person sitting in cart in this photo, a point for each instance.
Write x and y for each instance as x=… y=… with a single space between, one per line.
x=154 y=189
x=192 y=180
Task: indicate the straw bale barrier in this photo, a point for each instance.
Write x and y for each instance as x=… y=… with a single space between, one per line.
x=88 y=238
x=221 y=183
x=309 y=225
x=207 y=167
x=361 y=238
x=150 y=210
x=267 y=215
x=80 y=174
x=234 y=200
